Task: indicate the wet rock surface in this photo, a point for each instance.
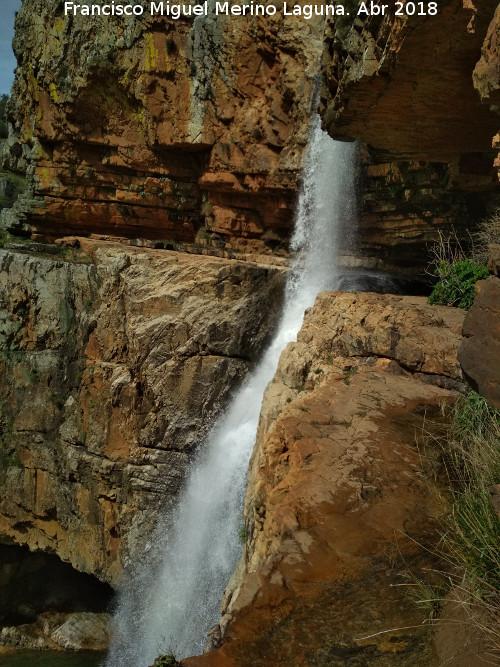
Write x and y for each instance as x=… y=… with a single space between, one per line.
x=81 y=631
x=115 y=360
x=342 y=504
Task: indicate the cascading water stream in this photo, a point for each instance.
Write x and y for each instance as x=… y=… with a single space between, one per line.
x=170 y=604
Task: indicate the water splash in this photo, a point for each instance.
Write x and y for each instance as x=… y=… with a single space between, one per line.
x=174 y=599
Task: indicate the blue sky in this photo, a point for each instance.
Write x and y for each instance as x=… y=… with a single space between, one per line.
x=8 y=9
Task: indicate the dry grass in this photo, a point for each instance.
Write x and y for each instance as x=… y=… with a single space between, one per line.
x=469 y=547
x=447 y=249
x=450 y=249
x=489 y=232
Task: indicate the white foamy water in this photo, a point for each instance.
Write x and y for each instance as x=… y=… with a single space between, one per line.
x=173 y=600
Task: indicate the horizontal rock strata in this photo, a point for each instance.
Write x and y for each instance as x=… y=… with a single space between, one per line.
x=194 y=131
x=163 y=128
x=404 y=87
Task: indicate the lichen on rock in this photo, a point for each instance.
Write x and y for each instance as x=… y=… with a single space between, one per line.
x=114 y=365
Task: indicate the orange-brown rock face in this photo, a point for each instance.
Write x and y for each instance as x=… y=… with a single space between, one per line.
x=113 y=363
x=404 y=86
x=341 y=504
x=194 y=130
x=158 y=128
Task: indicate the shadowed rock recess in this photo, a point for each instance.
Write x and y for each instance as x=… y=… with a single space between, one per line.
x=164 y=157
x=195 y=130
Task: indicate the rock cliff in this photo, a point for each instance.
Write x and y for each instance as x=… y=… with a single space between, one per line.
x=115 y=359
x=162 y=128
x=404 y=87
x=342 y=504
x=113 y=364
x=487 y=73
x=194 y=130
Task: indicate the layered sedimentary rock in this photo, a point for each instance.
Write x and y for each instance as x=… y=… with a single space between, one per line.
x=194 y=130
x=113 y=364
x=342 y=503
x=487 y=73
x=163 y=128
x=403 y=86
x=114 y=360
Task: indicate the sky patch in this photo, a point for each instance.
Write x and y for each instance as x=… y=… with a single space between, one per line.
x=8 y=9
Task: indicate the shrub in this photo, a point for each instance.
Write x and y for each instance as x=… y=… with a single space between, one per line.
x=488 y=232
x=167 y=660
x=257 y=134
x=472 y=538
x=9 y=460
x=455 y=286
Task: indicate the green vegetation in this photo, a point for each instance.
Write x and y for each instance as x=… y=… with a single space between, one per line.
x=8 y=238
x=10 y=184
x=9 y=461
x=242 y=535
x=471 y=540
x=469 y=547
x=257 y=134
x=457 y=270
x=351 y=9
x=348 y=373
x=166 y=660
x=455 y=286
x=48 y=250
x=429 y=598
x=473 y=465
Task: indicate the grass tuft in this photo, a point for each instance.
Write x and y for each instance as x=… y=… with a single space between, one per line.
x=470 y=540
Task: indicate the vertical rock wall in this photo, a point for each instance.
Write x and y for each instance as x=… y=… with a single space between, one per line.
x=194 y=130
x=113 y=364
x=404 y=87
x=162 y=128
x=343 y=497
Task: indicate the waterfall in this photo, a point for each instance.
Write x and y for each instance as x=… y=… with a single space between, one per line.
x=172 y=604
